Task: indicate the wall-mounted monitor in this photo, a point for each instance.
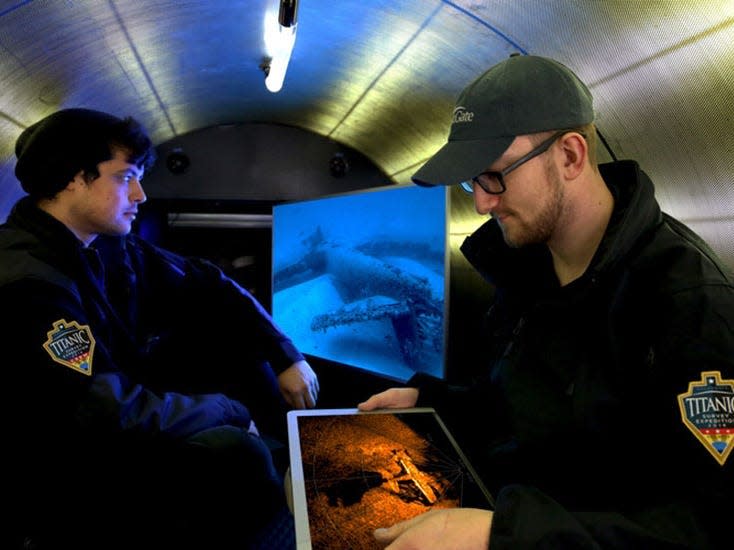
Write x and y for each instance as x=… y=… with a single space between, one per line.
x=361 y=278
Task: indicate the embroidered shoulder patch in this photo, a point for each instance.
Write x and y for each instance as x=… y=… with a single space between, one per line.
x=708 y=411
x=71 y=345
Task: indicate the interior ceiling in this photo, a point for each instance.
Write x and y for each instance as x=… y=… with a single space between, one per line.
x=381 y=76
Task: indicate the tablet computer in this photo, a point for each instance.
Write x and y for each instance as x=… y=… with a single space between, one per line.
x=352 y=472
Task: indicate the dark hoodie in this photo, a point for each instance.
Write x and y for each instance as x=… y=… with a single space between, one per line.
x=573 y=418
x=125 y=370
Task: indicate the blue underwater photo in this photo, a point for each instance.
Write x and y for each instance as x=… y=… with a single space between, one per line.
x=360 y=278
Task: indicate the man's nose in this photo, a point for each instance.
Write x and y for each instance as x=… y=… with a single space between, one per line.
x=485 y=202
x=137 y=193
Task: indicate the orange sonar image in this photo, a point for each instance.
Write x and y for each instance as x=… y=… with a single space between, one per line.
x=363 y=471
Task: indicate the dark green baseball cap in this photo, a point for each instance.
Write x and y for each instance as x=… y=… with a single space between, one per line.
x=524 y=94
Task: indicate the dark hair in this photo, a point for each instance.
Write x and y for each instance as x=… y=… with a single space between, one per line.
x=127 y=136
x=52 y=151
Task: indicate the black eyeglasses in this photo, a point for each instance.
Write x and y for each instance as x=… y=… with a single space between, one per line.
x=493 y=182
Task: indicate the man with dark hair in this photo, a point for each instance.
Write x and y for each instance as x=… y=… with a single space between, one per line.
x=601 y=412
x=111 y=439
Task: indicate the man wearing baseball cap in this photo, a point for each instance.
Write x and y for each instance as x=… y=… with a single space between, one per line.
x=602 y=409
x=130 y=371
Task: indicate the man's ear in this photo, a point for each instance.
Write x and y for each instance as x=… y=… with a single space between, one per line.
x=575 y=154
x=77 y=181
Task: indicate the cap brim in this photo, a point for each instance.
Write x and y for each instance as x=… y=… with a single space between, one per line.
x=459 y=161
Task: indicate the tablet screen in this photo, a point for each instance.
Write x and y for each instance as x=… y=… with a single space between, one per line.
x=352 y=472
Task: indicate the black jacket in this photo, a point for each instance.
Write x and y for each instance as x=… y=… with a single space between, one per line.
x=116 y=355
x=578 y=416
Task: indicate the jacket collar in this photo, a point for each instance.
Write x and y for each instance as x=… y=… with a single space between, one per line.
x=27 y=216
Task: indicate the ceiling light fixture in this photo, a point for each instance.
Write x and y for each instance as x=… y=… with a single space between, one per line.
x=279 y=36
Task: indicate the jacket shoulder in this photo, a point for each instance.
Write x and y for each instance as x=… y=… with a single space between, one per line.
x=18 y=261
x=687 y=259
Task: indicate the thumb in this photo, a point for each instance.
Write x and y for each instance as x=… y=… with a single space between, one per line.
x=377 y=401
x=371 y=403
x=386 y=535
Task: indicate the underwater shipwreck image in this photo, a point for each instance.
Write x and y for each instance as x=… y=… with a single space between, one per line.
x=360 y=279
x=367 y=471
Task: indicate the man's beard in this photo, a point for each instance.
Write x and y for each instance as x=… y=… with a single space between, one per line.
x=540 y=228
